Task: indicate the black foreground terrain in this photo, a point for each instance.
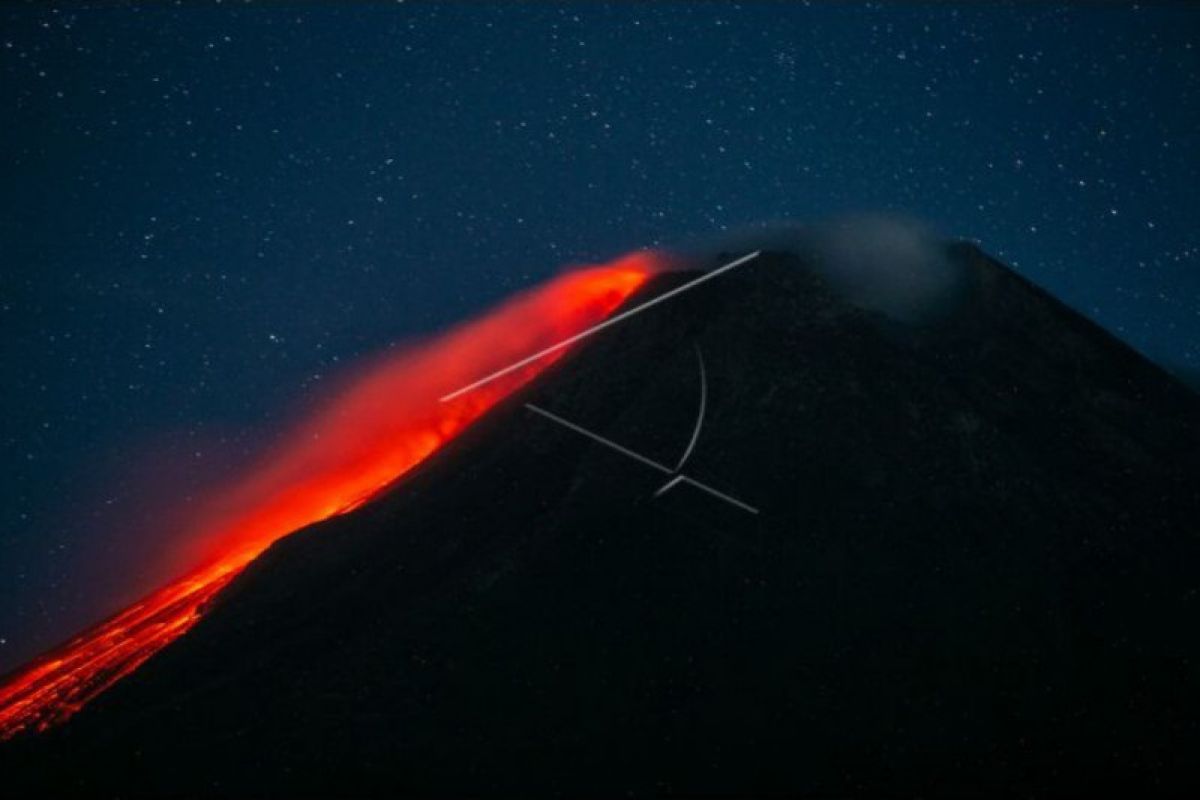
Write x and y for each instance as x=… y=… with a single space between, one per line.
x=974 y=569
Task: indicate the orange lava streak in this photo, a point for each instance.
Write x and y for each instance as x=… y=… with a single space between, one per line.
x=381 y=425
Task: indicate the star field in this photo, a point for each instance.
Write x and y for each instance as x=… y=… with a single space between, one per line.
x=208 y=211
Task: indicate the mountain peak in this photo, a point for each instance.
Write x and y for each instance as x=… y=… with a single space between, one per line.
x=767 y=536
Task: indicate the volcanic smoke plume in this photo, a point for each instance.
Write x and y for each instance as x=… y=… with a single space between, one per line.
x=381 y=425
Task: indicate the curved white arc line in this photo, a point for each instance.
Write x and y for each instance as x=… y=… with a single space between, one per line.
x=625 y=451
x=666 y=487
x=700 y=416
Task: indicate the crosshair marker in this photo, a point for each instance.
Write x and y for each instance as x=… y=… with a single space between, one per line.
x=625 y=451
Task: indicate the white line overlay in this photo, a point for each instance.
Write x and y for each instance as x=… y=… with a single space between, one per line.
x=624 y=315
x=625 y=451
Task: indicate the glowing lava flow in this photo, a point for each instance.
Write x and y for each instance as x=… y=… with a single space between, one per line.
x=383 y=424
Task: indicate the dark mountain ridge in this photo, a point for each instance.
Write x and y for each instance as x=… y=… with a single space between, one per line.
x=972 y=570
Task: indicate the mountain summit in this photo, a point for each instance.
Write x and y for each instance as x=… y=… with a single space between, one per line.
x=764 y=537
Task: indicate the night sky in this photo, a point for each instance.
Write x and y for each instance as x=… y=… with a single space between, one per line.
x=206 y=212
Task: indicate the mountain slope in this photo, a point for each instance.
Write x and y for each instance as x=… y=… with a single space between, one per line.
x=972 y=568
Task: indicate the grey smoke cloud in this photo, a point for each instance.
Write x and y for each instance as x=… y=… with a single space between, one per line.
x=892 y=264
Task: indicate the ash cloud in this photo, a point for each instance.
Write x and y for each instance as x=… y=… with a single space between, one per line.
x=892 y=264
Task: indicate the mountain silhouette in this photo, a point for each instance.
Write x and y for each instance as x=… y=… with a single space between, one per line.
x=757 y=539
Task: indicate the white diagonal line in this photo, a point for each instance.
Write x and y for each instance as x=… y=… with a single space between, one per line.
x=625 y=451
x=715 y=493
x=666 y=487
x=597 y=437
x=624 y=315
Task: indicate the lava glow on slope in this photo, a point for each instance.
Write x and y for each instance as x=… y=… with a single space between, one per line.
x=382 y=424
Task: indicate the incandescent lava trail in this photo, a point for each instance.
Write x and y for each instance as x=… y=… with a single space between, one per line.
x=383 y=423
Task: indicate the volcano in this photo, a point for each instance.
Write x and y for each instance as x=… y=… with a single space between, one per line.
x=758 y=538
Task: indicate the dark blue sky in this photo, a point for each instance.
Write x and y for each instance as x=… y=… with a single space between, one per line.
x=205 y=211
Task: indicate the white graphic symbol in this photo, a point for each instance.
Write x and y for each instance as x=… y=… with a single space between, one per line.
x=674 y=476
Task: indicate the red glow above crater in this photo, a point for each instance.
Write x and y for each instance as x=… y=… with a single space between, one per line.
x=385 y=421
